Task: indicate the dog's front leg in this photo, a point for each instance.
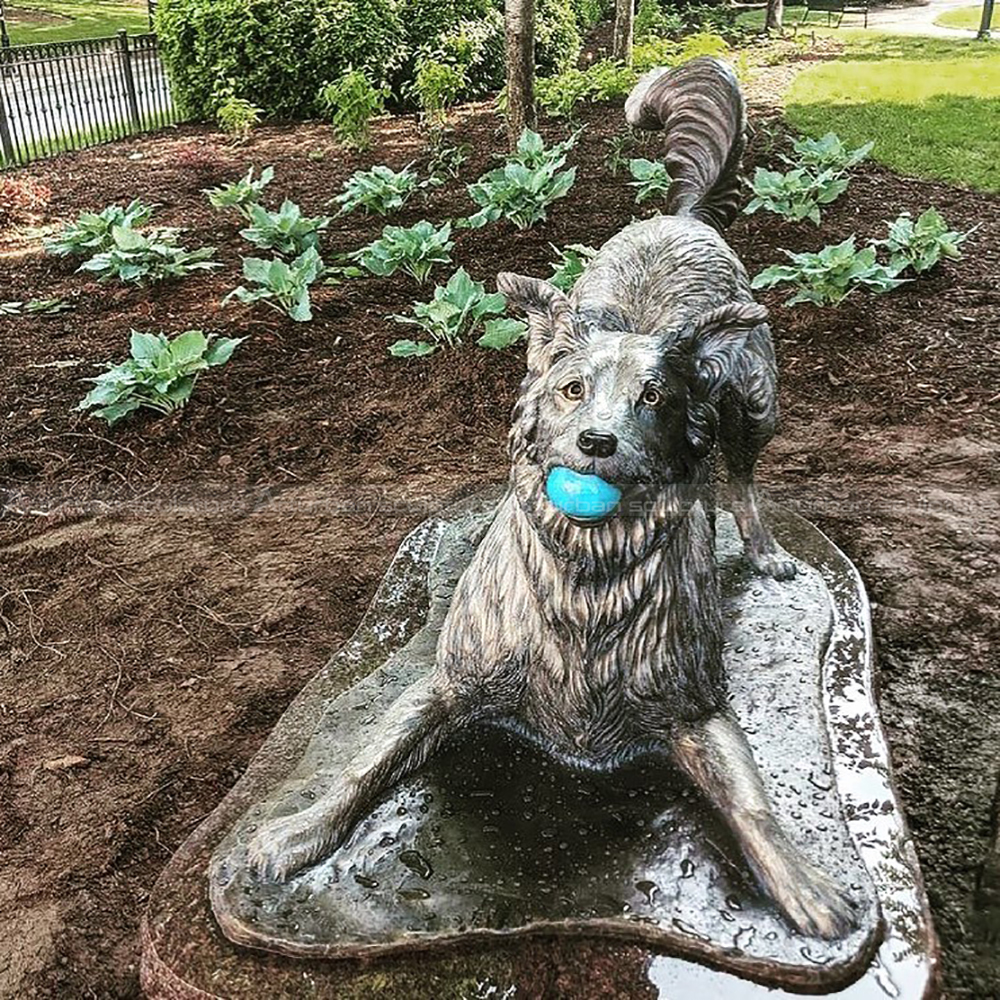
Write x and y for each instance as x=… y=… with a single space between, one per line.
x=715 y=754
x=409 y=732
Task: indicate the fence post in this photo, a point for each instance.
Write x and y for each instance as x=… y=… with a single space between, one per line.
x=126 y=59
x=6 y=143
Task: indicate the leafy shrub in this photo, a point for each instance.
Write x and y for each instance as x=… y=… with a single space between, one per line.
x=144 y=259
x=474 y=46
x=284 y=287
x=828 y=277
x=91 y=232
x=21 y=197
x=920 y=245
x=828 y=153
x=159 y=375
x=380 y=190
x=350 y=103
x=415 y=250
x=557 y=37
x=652 y=21
x=237 y=117
x=241 y=195
x=653 y=52
x=650 y=179
x=589 y=12
x=521 y=190
x=287 y=231
x=457 y=310
x=275 y=54
x=605 y=80
x=437 y=86
x=703 y=43
x=572 y=262
x=795 y=195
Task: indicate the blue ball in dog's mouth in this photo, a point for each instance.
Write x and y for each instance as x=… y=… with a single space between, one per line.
x=580 y=496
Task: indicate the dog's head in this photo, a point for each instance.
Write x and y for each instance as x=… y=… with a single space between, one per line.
x=636 y=410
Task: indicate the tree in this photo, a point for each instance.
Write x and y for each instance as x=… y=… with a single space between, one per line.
x=519 y=16
x=621 y=46
x=775 y=11
x=983 y=34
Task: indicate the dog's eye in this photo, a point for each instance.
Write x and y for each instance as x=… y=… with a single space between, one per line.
x=573 y=390
x=652 y=396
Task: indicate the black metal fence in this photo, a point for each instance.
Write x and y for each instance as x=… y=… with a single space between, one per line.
x=68 y=95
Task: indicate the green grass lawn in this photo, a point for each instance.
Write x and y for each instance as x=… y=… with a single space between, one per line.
x=931 y=105
x=793 y=16
x=967 y=17
x=72 y=19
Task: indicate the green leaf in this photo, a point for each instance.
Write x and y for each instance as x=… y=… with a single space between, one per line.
x=501 y=333
x=411 y=349
x=221 y=350
x=127 y=238
x=189 y=346
x=146 y=345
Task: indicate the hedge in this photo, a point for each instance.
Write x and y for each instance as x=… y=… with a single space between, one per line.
x=278 y=54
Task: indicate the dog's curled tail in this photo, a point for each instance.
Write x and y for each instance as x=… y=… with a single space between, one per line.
x=701 y=111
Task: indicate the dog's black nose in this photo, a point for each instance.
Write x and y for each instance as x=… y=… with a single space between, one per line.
x=597 y=443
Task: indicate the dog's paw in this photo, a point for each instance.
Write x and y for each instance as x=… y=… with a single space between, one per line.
x=283 y=846
x=773 y=562
x=813 y=903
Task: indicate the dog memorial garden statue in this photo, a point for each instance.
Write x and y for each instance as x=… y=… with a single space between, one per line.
x=596 y=703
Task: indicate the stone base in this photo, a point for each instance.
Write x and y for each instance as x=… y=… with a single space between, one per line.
x=492 y=841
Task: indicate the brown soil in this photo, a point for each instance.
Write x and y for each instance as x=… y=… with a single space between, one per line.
x=170 y=585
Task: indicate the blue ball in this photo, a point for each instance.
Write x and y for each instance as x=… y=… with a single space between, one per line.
x=581 y=496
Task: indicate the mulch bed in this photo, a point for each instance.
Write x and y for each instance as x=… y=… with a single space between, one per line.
x=170 y=584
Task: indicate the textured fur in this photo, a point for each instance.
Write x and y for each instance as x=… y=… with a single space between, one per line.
x=603 y=642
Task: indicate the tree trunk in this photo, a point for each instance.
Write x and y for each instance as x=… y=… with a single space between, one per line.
x=624 y=24
x=775 y=11
x=983 y=34
x=520 y=28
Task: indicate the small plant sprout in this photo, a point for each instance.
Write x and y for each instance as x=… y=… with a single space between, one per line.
x=351 y=103
x=143 y=260
x=160 y=374
x=795 y=195
x=570 y=265
x=828 y=277
x=287 y=231
x=619 y=146
x=236 y=116
x=920 y=245
x=649 y=178
x=90 y=233
x=522 y=189
x=445 y=161
x=415 y=250
x=380 y=190
x=458 y=310
x=828 y=153
x=282 y=286
x=241 y=195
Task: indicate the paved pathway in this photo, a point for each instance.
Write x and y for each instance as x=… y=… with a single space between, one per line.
x=918 y=20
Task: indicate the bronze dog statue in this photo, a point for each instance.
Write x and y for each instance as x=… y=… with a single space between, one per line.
x=601 y=641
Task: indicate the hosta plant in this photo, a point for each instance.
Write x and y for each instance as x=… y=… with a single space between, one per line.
x=414 y=251
x=36 y=307
x=90 y=233
x=144 y=259
x=649 y=178
x=458 y=310
x=797 y=194
x=920 y=245
x=521 y=190
x=570 y=265
x=241 y=195
x=828 y=153
x=446 y=161
x=828 y=277
x=380 y=190
x=160 y=374
x=287 y=231
x=351 y=102
x=280 y=285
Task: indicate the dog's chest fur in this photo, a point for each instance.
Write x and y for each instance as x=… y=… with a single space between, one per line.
x=598 y=666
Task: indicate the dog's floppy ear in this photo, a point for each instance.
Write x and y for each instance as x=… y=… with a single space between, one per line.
x=550 y=317
x=716 y=339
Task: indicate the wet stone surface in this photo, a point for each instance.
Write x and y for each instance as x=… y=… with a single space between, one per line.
x=492 y=840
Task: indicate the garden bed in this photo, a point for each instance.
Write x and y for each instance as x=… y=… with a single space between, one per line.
x=172 y=583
